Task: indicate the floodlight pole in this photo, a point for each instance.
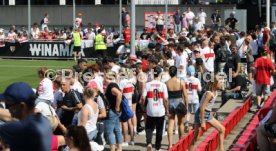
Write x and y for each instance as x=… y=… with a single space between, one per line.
x=268 y=13
x=166 y=17
x=132 y=27
x=120 y=12
x=74 y=13
x=29 y=16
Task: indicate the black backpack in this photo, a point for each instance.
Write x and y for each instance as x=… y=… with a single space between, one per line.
x=105 y=101
x=222 y=54
x=42 y=21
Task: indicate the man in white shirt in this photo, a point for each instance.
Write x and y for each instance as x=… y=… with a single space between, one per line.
x=190 y=16
x=156 y=103
x=78 y=21
x=201 y=16
x=181 y=61
x=160 y=20
x=208 y=56
x=239 y=44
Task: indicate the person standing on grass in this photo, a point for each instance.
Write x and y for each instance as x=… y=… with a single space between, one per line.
x=77 y=43
x=203 y=114
x=263 y=68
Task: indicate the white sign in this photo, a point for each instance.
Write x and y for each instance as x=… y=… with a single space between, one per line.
x=62 y=2
x=11 y=2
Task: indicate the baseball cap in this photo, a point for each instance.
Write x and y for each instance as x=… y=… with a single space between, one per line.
x=191 y=70
x=18 y=92
x=92 y=84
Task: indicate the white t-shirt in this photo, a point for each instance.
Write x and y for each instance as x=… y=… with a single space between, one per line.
x=208 y=58
x=170 y=62
x=127 y=88
x=90 y=36
x=77 y=87
x=160 y=20
x=181 y=62
x=36 y=33
x=201 y=17
x=193 y=85
x=155 y=92
x=198 y=26
x=239 y=45
x=190 y=16
x=45 y=90
x=78 y=21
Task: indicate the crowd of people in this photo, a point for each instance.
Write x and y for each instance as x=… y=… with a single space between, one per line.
x=178 y=74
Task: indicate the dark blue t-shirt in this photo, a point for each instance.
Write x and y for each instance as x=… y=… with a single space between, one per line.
x=33 y=133
x=176 y=18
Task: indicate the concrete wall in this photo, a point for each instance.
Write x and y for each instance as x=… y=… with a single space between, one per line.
x=107 y=15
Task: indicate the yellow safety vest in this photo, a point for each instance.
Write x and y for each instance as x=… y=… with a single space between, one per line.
x=77 y=39
x=99 y=43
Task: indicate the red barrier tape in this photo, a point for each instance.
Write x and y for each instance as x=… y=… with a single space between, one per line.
x=247 y=140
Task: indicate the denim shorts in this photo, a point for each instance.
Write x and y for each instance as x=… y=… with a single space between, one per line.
x=112 y=129
x=92 y=136
x=207 y=116
x=173 y=103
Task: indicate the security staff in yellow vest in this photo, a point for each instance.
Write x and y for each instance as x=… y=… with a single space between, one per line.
x=77 y=43
x=99 y=44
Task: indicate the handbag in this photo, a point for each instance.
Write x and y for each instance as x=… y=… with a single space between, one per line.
x=181 y=108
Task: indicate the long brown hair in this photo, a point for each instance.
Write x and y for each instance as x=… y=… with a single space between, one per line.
x=80 y=138
x=212 y=86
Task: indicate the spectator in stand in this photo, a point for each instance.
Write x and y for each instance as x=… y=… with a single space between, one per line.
x=31 y=131
x=126 y=34
x=202 y=16
x=12 y=37
x=216 y=20
x=266 y=132
x=177 y=21
x=160 y=21
x=78 y=21
x=124 y=17
x=263 y=67
x=99 y=45
x=62 y=35
x=45 y=34
x=184 y=21
x=81 y=66
x=71 y=103
x=77 y=139
x=112 y=128
x=145 y=35
x=45 y=21
x=233 y=62
x=197 y=25
x=156 y=108
x=231 y=22
x=254 y=45
x=111 y=63
x=181 y=62
x=88 y=115
x=55 y=33
x=249 y=57
x=177 y=97
x=190 y=17
x=77 y=43
x=2 y=34
x=203 y=114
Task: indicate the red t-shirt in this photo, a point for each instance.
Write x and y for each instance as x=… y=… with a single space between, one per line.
x=263 y=67
x=144 y=65
x=127 y=35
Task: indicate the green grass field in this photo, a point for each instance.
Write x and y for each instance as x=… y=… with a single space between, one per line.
x=26 y=70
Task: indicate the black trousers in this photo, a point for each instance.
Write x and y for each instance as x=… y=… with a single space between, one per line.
x=151 y=124
x=101 y=54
